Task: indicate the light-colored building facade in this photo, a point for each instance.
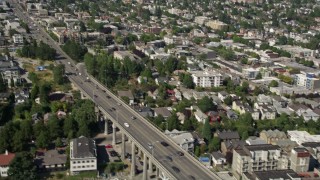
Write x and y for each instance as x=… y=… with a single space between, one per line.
x=262 y=157
x=83 y=155
x=206 y=78
x=216 y=25
x=307 y=80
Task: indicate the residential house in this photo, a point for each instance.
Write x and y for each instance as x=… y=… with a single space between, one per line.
x=232 y=115
x=145 y=111
x=267 y=111
x=243 y=108
x=9 y=70
x=5 y=160
x=227 y=135
x=216 y=25
x=200 y=116
x=163 y=111
x=198 y=139
x=227 y=148
x=83 y=155
x=264 y=99
x=304 y=111
x=250 y=73
x=161 y=80
x=177 y=94
x=222 y=95
x=183 y=138
x=311 y=103
x=218 y=159
x=213 y=116
x=127 y=94
x=254 y=140
x=272 y=136
x=279 y=101
x=51 y=160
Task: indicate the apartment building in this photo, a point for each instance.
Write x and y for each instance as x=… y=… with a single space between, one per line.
x=83 y=155
x=9 y=71
x=250 y=73
x=262 y=157
x=207 y=78
x=300 y=159
x=307 y=80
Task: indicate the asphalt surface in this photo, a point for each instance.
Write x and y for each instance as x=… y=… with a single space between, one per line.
x=139 y=128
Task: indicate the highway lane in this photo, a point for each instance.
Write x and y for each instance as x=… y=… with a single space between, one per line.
x=139 y=128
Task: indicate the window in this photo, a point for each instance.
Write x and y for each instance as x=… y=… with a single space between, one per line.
x=74 y=162
x=92 y=160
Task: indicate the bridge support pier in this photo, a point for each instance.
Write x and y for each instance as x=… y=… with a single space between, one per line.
x=123 y=146
x=114 y=140
x=150 y=168
x=144 y=175
x=106 y=127
x=133 y=160
x=157 y=172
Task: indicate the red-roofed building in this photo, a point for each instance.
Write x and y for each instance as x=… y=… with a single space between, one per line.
x=5 y=160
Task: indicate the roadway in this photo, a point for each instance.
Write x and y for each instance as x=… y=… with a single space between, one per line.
x=139 y=128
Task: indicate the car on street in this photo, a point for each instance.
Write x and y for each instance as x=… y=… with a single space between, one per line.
x=150 y=145
x=108 y=97
x=126 y=124
x=113 y=108
x=133 y=118
x=108 y=146
x=164 y=143
x=95 y=96
x=180 y=153
x=191 y=177
x=177 y=170
x=169 y=158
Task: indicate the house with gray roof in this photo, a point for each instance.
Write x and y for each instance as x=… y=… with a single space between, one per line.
x=51 y=160
x=183 y=138
x=83 y=155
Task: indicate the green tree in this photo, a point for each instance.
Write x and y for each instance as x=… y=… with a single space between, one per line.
x=58 y=142
x=54 y=127
x=22 y=167
x=188 y=81
x=43 y=140
x=206 y=131
x=74 y=50
x=173 y=122
x=273 y=83
x=214 y=144
x=228 y=100
x=206 y=104
x=259 y=75
x=58 y=73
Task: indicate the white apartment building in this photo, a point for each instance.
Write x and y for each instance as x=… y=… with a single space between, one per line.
x=83 y=155
x=307 y=80
x=206 y=78
x=250 y=73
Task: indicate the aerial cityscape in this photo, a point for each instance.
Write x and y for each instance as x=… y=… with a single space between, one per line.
x=160 y=89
